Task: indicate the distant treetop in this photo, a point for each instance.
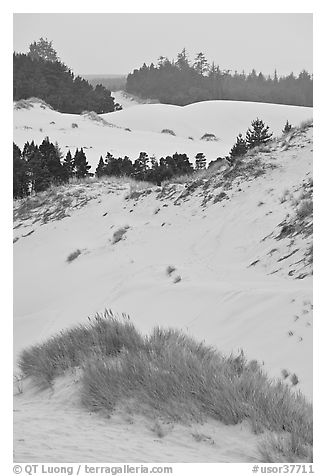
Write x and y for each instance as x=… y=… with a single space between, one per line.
x=43 y=49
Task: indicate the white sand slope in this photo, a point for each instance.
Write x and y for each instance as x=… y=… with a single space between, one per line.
x=110 y=133
x=51 y=426
x=127 y=100
x=220 y=299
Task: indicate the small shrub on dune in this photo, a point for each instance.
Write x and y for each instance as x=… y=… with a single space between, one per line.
x=170 y=269
x=119 y=234
x=137 y=188
x=29 y=103
x=305 y=125
x=285 y=373
x=305 y=209
x=294 y=379
x=168 y=131
x=73 y=256
x=209 y=137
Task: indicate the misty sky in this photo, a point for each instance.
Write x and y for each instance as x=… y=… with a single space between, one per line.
x=111 y=43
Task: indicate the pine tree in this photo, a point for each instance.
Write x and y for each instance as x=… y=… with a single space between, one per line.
x=200 y=161
x=81 y=164
x=69 y=165
x=258 y=135
x=182 y=164
x=239 y=148
x=182 y=61
x=126 y=166
x=43 y=49
x=141 y=166
x=113 y=165
x=39 y=172
x=287 y=127
x=201 y=64
x=52 y=157
x=100 y=169
x=20 y=174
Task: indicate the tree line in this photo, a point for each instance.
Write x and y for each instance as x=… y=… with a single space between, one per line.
x=184 y=82
x=35 y=168
x=41 y=74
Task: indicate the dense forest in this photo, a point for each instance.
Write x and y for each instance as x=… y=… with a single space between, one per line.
x=35 y=167
x=181 y=82
x=41 y=74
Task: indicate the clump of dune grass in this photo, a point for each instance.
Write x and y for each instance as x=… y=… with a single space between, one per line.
x=138 y=188
x=180 y=179
x=305 y=209
x=285 y=448
x=28 y=103
x=119 y=234
x=168 y=131
x=52 y=204
x=285 y=195
x=102 y=336
x=93 y=116
x=209 y=137
x=304 y=125
x=285 y=373
x=294 y=379
x=73 y=256
x=169 y=375
x=170 y=269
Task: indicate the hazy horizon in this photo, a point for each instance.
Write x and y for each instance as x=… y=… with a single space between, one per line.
x=117 y=43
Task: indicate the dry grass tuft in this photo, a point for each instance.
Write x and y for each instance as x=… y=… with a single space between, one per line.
x=119 y=234
x=73 y=256
x=170 y=269
x=209 y=137
x=168 y=131
x=305 y=209
x=29 y=103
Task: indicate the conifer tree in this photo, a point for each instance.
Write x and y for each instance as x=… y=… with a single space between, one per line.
x=100 y=169
x=141 y=166
x=182 y=164
x=39 y=172
x=201 y=64
x=258 y=134
x=69 y=165
x=20 y=174
x=287 y=127
x=81 y=164
x=182 y=61
x=239 y=148
x=52 y=157
x=200 y=161
x=126 y=166
x=43 y=49
x=113 y=165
